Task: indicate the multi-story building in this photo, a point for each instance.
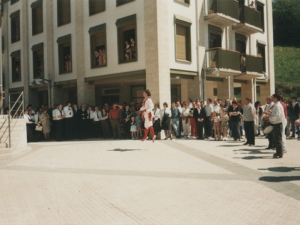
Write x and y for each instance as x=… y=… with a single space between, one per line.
x=96 y=51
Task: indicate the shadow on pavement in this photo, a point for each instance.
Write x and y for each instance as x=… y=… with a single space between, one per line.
x=281 y=169
x=254 y=157
x=124 y=150
x=250 y=151
x=227 y=145
x=280 y=179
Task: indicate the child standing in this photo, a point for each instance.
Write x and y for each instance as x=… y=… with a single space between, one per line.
x=216 y=118
x=133 y=128
x=224 y=124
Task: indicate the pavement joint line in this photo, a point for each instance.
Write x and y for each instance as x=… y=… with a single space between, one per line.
x=289 y=189
x=155 y=174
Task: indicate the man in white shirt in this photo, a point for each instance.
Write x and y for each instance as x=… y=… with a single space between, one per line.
x=59 y=115
x=276 y=119
x=268 y=110
x=249 y=120
x=207 y=123
x=96 y=117
x=216 y=106
x=68 y=122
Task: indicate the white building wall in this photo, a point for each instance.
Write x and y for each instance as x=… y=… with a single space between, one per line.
x=110 y=16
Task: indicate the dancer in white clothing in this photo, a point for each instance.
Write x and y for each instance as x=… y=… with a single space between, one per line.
x=146 y=111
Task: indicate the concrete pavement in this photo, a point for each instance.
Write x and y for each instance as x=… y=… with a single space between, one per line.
x=168 y=182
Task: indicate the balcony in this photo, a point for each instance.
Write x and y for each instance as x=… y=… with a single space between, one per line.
x=250 y=21
x=222 y=63
x=251 y=67
x=221 y=13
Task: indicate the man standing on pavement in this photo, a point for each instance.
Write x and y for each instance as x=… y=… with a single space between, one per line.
x=175 y=115
x=114 y=115
x=294 y=115
x=276 y=119
x=268 y=111
x=207 y=123
x=249 y=118
x=199 y=115
x=68 y=121
x=96 y=117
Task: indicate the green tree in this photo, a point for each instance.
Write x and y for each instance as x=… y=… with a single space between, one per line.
x=286 y=19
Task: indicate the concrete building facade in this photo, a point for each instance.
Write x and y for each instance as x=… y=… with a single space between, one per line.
x=101 y=51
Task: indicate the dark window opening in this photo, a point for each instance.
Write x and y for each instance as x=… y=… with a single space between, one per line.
x=65 y=58
x=128 y=44
x=260 y=8
x=122 y=2
x=37 y=20
x=96 y=6
x=63 y=12
x=16 y=68
x=15 y=29
x=183 y=42
x=261 y=53
x=98 y=46
x=38 y=63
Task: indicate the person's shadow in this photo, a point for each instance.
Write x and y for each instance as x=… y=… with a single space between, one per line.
x=124 y=150
x=279 y=179
x=281 y=169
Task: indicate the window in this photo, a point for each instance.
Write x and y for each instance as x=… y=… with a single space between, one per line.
x=96 y=6
x=127 y=39
x=16 y=66
x=175 y=92
x=13 y=1
x=121 y=2
x=37 y=17
x=65 y=54
x=63 y=12
x=98 y=45
x=260 y=8
x=182 y=38
x=183 y=1
x=215 y=37
x=38 y=60
x=240 y=46
x=215 y=91
x=15 y=26
x=261 y=53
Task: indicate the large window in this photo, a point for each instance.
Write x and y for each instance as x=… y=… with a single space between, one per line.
x=98 y=45
x=260 y=8
x=15 y=26
x=215 y=37
x=183 y=38
x=63 y=12
x=96 y=6
x=240 y=46
x=127 y=39
x=261 y=53
x=65 y=54
x=121 y=2
x=37 y=17
x=38 y=60
x=16 y=66
x=13 y=1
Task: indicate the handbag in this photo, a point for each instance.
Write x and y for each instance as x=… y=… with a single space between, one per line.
x=38 y=128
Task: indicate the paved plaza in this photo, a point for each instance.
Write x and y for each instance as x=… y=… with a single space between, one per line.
x=167 y=182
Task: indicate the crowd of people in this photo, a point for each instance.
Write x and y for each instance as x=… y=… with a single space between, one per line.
x=212 y=120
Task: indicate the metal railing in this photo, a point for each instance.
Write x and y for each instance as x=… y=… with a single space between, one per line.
x=253 y=64
x=228 y=8
x=16 y=111
x=250 y=16
x=222 y=58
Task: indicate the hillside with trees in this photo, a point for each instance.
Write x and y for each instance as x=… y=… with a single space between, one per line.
x=286 y=17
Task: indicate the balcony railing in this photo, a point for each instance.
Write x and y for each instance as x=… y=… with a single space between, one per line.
x=223 y=59
x=250 y=16
x=228 y=8
x=252 y=64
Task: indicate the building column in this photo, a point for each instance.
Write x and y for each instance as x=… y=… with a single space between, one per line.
x=157 y=48
x=249 y=90
x=226 y=88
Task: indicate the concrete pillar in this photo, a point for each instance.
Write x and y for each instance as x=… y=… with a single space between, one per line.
x=85 y=91
x=248 y=90
x=226 y=88
x=157 y=48
x=53 y=94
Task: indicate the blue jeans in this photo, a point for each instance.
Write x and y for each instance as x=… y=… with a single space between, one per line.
x=175 y=125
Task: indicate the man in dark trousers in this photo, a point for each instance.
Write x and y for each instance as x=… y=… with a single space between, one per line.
x=294 y=115
x=249 y=118
x=82 y=122
x=75 y=121
x=199 y=115
x=68 y=121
